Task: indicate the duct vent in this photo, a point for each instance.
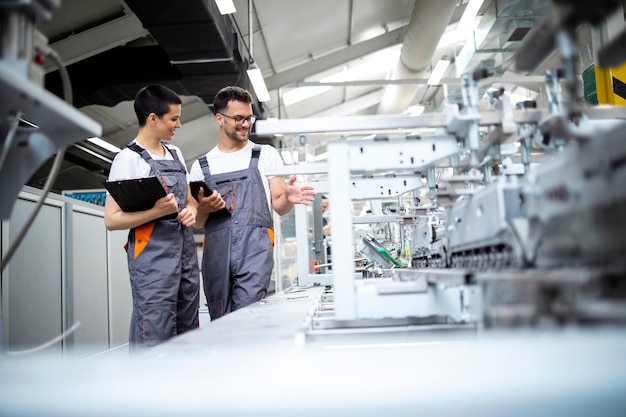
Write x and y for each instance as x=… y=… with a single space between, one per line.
x=517 y=30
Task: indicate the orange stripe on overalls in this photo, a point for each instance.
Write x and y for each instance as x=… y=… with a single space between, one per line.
x=142 y=236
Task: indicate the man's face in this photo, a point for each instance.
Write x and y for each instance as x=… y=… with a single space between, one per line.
x=238 y=132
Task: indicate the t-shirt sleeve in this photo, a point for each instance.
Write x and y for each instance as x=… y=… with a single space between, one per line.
x=272 y=157
x=195 y=173
x=125 y=167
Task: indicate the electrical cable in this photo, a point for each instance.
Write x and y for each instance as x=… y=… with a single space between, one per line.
x=56 y=167
x=47 y=344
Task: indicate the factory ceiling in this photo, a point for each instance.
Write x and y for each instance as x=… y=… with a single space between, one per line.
x=323 y=58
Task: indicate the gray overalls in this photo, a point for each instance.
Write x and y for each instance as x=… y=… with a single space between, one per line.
x=237 y=261
x=163 y=266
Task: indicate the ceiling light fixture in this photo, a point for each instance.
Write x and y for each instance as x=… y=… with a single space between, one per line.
x=466 y=24
x=415 y=110
x=254 y=72
x=225 y=6
x=369 y=69
x=440 y=69
x=104 y=144
x=471 y=11
x=258 y=83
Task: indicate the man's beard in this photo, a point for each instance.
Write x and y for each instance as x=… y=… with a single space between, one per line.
x=234 y=136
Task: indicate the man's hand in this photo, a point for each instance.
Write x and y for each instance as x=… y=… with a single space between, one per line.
x=299 y=194
x=210 y=204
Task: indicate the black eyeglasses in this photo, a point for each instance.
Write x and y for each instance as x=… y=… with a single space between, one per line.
x=240 y=119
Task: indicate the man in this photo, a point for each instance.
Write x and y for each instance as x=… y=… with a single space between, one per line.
x=237 y=261
x=325 y=216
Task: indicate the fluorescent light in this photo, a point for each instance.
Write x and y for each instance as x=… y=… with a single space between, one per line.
x=471 y=10
x=104 y=144
x=440 y=69
x=256 y=78
x=415 y=110
x=225 y=6
x=456 y=36
x=369 y=68
x=302 y=93
x=466 y=24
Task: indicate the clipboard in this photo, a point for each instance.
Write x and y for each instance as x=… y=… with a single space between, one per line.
x=137 y=194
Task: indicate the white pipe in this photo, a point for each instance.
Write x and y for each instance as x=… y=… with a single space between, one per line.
x=428 y=22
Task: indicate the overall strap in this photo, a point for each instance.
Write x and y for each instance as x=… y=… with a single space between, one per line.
x=146 y=155
x=171 y=151
x=204 y=164
x=256 y=153
x=141 y=151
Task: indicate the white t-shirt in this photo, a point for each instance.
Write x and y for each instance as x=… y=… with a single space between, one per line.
x=222 y=162
x=128 y=164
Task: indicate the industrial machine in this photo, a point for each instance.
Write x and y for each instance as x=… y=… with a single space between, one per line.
x=504 y=216
x=34 y=123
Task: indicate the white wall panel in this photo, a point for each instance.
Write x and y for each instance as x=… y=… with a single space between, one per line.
x=120 y=297
x=32 y=311
x=89 y=282
x=68 y=269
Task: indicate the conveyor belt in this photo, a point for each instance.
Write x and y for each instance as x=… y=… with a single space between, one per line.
x=250 y=363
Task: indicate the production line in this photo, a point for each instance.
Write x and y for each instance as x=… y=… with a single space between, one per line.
x=492 y=242
x=537 y=248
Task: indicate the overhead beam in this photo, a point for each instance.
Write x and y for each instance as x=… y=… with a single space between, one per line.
x=352 y=106
x=334 y=59
x=422 y=81
x=98 y=39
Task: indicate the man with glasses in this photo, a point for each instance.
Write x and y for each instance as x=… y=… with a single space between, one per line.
x=237 y=259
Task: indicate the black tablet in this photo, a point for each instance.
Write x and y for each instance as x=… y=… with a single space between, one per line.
x=195 y=189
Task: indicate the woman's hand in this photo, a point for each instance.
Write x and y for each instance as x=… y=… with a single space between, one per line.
x=166 y=205
x=187 y=216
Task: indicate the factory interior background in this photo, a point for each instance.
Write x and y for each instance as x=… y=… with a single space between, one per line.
x=472 y=154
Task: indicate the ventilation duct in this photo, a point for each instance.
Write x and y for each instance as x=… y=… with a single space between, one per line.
x=428 y=22
x=196 y=53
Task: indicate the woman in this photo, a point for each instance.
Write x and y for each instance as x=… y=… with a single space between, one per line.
x=161 y=251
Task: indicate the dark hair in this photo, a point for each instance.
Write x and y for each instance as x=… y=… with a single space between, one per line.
x=155 y=99
x=230 y=93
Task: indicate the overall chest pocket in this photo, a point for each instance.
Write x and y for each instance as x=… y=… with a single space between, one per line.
x=170 y=182
x=232 y=191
